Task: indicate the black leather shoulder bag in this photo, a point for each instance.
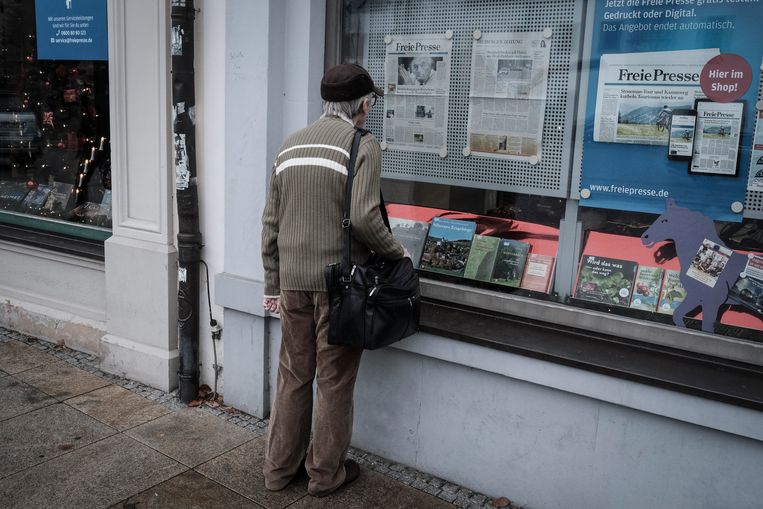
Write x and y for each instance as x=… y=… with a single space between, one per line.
x=375 y=304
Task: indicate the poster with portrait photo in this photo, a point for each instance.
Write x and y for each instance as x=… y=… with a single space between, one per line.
x=417 y=86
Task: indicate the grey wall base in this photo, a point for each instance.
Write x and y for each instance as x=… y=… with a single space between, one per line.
x=544 y=447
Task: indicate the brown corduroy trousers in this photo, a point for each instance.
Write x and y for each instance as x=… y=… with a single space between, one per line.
x=305 y=354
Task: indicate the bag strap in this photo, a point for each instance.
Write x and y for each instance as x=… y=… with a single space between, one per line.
x=383 y=210
x=346 y=226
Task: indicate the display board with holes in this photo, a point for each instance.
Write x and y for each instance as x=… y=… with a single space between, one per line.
x=548 y=176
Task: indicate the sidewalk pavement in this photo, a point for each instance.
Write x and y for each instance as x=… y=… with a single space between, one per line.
x=74 y=436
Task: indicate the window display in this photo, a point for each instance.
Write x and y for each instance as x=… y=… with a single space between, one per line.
x=55 y=164
x=629 y=214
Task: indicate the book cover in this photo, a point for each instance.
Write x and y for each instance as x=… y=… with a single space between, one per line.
x=93 y=213
x=411 y=234
x=672 y=294
x=447 y=246
x=754 y=266
x=58 y=201
x=12 y=194
x=510 y=262
x=539 y=270
x=482 y=258
x=709 y=262
x=646 y=290
x=36 y=198
x=605 y=280
x=749 y=292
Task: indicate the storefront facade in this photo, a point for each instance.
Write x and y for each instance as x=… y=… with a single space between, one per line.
x=549 y=368
x=95 y=268
x=539 y=393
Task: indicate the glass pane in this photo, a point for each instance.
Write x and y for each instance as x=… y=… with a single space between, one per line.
x=55 y=160
x=636 y=190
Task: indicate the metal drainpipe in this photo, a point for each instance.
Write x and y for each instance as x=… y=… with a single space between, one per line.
x=189 y=237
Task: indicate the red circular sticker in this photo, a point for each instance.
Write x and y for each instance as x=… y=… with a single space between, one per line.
x=725 y=78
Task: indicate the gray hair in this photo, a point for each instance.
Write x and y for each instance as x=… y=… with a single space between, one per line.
x=345 y=109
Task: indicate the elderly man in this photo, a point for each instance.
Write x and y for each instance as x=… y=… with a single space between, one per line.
x=301 y=234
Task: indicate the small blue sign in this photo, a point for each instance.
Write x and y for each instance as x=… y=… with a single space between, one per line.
x=72 y=30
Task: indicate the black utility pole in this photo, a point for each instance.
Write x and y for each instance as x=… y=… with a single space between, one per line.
x=189 y=237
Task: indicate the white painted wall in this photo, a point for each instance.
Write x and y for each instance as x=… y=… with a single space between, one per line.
x=210 y=145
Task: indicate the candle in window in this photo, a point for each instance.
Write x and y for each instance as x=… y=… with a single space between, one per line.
x=92 y=153
x=103 y=142
x=87 y=162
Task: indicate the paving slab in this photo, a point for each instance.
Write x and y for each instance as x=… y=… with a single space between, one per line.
x=117 y=407
x=374 y=490
x=189 y=490
x=61 y=380
x=20 y=398
x=16 y=357
x=190 y=435
x=98 y=475
x=241 y=471
x=44 y=434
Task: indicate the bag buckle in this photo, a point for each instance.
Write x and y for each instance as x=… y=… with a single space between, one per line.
x=346 y=223
x=348 y=279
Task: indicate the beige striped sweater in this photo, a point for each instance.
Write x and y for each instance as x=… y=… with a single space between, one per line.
x=301 y=223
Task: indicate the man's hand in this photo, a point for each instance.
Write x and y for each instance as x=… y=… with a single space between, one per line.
x=406 y=76
x=272 y=304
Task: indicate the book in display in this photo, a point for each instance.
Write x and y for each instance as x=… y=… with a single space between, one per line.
x=482 y=258
x=672 y=293
x=538 y=274
x=646 y=290
x=510 y=262
x=605 y=280
x=411 y=234
x=447 y=246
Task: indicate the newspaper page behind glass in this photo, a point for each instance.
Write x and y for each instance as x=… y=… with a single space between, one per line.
x=716 y=143
x=417 y=86
x=637 y=93
x=507 y=98
x=755 y=182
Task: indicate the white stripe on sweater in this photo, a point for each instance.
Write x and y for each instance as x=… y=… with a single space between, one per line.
x=316 y=145
x=312 y=161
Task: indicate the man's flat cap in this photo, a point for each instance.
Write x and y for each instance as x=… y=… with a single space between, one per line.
x=345 y=82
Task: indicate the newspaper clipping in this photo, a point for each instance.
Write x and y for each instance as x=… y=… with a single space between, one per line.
x=709 y=262
x=637 y=93
x=417 y=86
x=755 y=182
x=716 y=143
x=507 y=98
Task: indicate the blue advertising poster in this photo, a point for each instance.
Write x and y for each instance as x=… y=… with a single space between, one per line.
x=71 y=30
x=650 y=61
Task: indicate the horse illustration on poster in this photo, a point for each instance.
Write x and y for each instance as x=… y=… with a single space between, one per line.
x=709 y=268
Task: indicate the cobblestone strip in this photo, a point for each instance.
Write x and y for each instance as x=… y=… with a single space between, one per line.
x=448 y=492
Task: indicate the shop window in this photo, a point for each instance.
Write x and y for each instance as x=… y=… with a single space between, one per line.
x=540 y=148
x=55 y=165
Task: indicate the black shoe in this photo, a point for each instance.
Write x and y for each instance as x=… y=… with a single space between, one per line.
x=351 y=472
